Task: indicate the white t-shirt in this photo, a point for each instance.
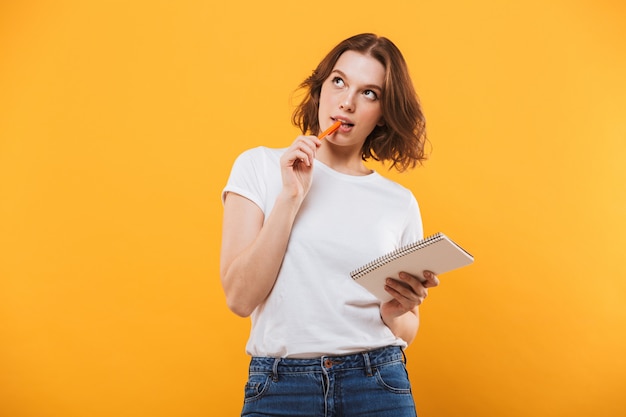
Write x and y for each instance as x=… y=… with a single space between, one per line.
x=345 y=221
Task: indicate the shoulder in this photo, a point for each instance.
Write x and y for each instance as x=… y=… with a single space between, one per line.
x=254 y=172
x=258 y=159
x=260 y=153
x=393 y=188
x=264 y=151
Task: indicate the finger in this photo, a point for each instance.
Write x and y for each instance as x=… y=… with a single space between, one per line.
x=408 y=303
x=416 y=283
x=299 y=153
x=301 y=156
x=310 y=142
x=430 y=279
x=305 y=149
x=409 y=296
x=398 y=297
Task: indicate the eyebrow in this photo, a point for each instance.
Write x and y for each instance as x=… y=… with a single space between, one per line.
x=367 y=87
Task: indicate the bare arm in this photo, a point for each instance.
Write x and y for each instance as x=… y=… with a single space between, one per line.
x=253 y=247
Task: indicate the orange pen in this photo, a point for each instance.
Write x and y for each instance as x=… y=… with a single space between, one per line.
x=330 y=130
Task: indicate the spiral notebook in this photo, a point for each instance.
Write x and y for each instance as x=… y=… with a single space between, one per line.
x=436 y=253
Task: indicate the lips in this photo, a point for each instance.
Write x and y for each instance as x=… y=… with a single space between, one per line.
x=344 y=122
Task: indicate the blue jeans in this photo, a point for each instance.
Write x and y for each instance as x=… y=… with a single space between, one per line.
x=368 y=384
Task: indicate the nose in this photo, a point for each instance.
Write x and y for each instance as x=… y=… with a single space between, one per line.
x=347 y=102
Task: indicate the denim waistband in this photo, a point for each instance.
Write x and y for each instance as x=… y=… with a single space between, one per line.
x=362 y=360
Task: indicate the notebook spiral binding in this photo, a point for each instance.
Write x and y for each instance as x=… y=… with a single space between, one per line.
x=398 y=253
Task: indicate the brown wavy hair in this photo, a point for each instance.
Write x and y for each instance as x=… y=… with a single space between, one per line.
x=402 y=137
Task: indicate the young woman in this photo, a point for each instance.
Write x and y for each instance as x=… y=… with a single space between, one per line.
x=298 y=220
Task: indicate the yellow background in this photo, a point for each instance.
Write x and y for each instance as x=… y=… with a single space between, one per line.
x=119 y=121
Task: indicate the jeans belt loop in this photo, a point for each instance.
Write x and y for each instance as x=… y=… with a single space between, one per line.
x=275 y=370
x=368 y=365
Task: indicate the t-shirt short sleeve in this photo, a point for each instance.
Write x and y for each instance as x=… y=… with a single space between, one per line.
x=246 y=177
x=413 y=230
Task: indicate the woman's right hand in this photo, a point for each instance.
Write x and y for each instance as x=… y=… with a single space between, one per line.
x=297 y=166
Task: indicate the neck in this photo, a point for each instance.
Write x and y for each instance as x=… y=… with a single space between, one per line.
x=346 y=161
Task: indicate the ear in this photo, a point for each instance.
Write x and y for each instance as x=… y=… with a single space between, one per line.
x=381 y=122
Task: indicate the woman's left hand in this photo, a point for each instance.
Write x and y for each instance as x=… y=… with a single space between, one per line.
x=408 y=293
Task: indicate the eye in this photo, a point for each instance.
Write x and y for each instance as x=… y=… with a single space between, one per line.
x=371 y=94
x=337 y=81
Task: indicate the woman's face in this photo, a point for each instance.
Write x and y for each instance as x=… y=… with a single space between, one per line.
x=352 y=95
